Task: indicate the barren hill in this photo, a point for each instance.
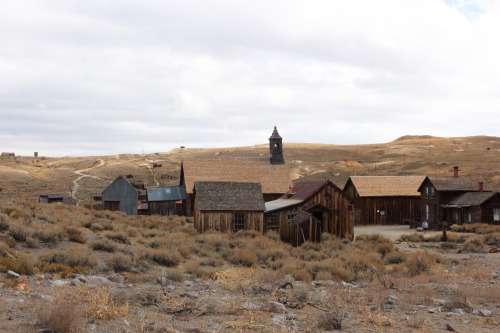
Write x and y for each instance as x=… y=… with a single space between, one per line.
x=27 y=177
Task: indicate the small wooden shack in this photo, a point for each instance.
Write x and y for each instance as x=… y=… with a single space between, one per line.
x=121 y=196
x=228 y=206
x=50 y=198
x=473 y=207
x=385 y=199
x=163 y=200
x=318 y=206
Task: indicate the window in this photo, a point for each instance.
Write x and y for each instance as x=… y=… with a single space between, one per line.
x=291 y=214
x=427 y=193
x=426 y=212
x=496 y=214
x=272 y=221
x=432 y=192
x=239 y=221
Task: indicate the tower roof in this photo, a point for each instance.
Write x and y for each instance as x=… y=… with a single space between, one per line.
x=275 y=134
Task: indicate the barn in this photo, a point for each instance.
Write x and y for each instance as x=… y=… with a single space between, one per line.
x=121 y=196
x=309 y=209
x=228 y=206
x=385 y=199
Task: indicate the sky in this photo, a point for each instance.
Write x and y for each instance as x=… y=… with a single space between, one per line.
x=94 y=78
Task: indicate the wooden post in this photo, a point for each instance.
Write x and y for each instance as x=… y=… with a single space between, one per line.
x=444 y=237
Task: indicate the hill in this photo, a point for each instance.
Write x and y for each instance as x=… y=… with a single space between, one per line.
x=27 y=177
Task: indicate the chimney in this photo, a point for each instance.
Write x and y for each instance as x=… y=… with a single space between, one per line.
x=455 y=171
x=481 y=187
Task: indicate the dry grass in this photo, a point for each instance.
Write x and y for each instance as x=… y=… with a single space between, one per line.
x=63 y=316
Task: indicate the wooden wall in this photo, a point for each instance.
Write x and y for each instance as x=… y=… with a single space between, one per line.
x=387 y=210
x=223 y=220
x=165 y=208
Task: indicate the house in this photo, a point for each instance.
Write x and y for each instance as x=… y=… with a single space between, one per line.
x=163 y=200
x=309 y=209
x=121 y=196
x=385 y=199
x=471 y=207
x=228 y=206
x=271 y=172
x=438 y=191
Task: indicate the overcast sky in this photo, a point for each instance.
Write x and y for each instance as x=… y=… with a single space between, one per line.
x=100 y=77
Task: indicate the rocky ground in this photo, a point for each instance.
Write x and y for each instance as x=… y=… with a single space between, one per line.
x=466 y=298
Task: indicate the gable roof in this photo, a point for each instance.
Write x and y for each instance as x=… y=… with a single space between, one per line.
x=229 y=196
x=451 y=183
x=387 y=186
x=166 y=193
x=273 y=178
x=472 y=199
x=120 y=180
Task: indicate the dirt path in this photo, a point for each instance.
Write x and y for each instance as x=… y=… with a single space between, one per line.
x=81 y=175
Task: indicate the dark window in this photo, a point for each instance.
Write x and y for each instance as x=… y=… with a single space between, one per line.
x=291 y=214
x=239 y=221
x=272 y=221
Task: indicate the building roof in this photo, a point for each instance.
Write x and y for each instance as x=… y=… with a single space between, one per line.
x=273 y=178
x=280 y=204
x=52 y=196
x=451 y=183
x=471 y=199
x=167 y=193
x=387 y=186
x=229 y=196
x=301 y=217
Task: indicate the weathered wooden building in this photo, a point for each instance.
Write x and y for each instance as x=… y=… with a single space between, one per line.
x=385 y=199
x=472 y=207
x=438 y=191
x=308 y=210
x=165 y=200
x=228 y=206
x=50 y=198
x=120 y=195
x=271 y=172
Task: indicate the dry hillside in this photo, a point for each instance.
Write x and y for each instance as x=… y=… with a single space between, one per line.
x=26 y=177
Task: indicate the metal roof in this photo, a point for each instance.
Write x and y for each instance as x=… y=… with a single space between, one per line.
x=166 y=193
x=280 y=204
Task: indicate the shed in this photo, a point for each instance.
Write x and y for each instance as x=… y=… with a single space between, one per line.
x=322 y=200
x=385 y=199
x=50 y=198
x=163 y=200
x=228 y=206
x=306 y=228
x=120 y=195
x=471 y=207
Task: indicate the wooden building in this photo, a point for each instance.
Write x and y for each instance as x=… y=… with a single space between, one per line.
x=438 y=191
x=121 y=196
x=163 y=200
x=228 y=206
x=271 y=172
x=385 y=199
x=473 y=207
x=50 y=198
x=308 y=210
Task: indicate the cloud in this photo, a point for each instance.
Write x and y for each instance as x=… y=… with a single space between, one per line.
x=99 y=78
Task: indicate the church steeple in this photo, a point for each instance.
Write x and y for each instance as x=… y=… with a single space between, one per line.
x=276 y=148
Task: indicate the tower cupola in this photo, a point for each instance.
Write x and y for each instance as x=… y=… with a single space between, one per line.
x=276 y=148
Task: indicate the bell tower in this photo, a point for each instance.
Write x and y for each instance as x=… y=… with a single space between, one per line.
x=276 y=148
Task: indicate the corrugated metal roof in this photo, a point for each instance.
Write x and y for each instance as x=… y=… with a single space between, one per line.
x=229 y=196
x=273 y=178
x=387 y=186
x=472 y=198
x=166 y=193
x=280 y=204
x=52 y=196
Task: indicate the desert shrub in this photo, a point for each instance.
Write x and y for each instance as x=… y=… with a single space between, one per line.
x=120 y=262
x=19 y=232
x=394 y=258
x=74 y=235
x=269 y=255
x=11 y=242
x=15 y=213
x=164 y=257
x=4 y=222
x=174 y=275
x=337 y=311
x=448 y=245
x=243 y=257
x=420 y=262
x=119 y=237
x=323 y=276
x=49 y=233
x=473 y=245
x=73 y=257
x=32 y=243
x=103 y=245
x=60 y=317
x=492 y=239
x=18 y=263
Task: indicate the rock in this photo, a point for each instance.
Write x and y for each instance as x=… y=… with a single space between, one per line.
x=494 y=250
x=213 y=327
x=12 y=273
x=435 y=310
x=251 y=306
x=450 y=328
x=190 y=294
x=164 y=281
x=485 y=313
x=126 y=322
x=188 y=283
x=278 y=319
x=59 y=283
x=170 y=288
x=274 y=307
x=438 y=301
x=47 y=298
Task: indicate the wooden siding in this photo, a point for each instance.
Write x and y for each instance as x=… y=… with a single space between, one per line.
x=329 y=205
x=223 y=221
x=165 y=208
